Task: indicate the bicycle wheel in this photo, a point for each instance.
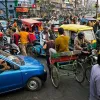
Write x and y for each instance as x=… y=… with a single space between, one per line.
x=88 y=73
x=55 y=78
x=79 y=72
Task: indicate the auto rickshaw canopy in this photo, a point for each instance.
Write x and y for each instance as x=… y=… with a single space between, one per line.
x=75 y=27
x=30 y=21
x=90 y=19
x=98 y=18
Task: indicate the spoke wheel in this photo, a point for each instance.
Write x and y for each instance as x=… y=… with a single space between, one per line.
x=88 y=73
x=55 y=78
x=79 y=72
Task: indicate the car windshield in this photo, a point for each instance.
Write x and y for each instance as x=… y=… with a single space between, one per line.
x=15 y=59
x=89 y=35
x=4 y=23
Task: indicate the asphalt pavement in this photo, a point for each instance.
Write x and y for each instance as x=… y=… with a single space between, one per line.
x=69 y=89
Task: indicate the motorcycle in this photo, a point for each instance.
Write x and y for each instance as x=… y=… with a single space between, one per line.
x=11 y=48
x=35 y=49
x=88 y=58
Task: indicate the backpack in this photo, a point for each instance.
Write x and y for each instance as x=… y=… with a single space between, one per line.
x=31 y=37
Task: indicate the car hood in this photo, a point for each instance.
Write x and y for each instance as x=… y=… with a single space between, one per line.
x=31 y=63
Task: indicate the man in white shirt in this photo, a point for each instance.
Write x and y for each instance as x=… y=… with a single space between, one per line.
x=95 y=81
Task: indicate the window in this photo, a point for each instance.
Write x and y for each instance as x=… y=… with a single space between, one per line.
x=10 y=6
x=19 y=4
x=11 y=11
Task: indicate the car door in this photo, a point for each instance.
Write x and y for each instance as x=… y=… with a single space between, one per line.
x=10 y=80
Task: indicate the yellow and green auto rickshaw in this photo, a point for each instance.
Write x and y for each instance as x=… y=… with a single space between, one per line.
x=75 y=28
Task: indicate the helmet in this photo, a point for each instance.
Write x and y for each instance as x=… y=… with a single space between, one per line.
x=80 y=35
x=1 y=34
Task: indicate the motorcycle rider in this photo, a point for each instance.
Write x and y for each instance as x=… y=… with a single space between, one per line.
x=80 y=41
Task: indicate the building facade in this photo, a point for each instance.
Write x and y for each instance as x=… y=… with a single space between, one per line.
x=10 y=8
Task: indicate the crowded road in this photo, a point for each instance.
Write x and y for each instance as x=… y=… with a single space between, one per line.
x=69 y=90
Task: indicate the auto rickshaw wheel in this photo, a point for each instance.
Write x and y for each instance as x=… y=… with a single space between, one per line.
x=55 y=77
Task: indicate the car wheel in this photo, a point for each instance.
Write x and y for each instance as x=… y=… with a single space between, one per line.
x=34 y=84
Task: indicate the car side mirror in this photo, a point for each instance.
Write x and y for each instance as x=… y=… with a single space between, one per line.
x=16 y=67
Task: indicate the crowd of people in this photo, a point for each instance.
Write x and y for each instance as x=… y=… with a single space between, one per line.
x=22 y=36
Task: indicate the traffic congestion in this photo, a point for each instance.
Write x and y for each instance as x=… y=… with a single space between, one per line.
x=68 y=45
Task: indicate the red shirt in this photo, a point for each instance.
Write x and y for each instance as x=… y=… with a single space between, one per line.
x=31 y=37
x=16 y=38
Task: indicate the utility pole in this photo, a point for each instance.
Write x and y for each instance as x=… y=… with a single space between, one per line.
x=75 y=5
x=6 y=9
x=97 y=5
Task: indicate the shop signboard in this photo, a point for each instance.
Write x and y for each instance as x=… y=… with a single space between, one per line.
x=21 y=9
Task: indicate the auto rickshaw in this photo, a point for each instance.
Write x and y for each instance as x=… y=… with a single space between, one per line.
x=98 y=18
x=75 y=28
x=90 y=21
x=33 y=25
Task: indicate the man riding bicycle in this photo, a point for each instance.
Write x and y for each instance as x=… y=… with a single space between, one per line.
x=80 y=42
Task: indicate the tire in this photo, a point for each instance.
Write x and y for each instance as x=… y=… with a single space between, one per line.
x=31 y=51
x=88 y=73
x=55 y=78
x=34 y=52
x=79 y=72
x=94 y=60
x=34 y=84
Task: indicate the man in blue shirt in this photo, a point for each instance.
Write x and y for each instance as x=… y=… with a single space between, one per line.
x=95 y=81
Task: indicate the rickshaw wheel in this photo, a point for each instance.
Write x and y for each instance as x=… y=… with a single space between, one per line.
x=88 y=73
x=79 y=72
x=55 y=77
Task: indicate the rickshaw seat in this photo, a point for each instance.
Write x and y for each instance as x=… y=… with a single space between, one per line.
x=68 y=53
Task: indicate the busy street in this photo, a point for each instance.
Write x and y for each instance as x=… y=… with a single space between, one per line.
x=69 y=89
x=49 y=50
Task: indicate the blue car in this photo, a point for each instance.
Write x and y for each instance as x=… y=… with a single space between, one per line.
x=24 y=72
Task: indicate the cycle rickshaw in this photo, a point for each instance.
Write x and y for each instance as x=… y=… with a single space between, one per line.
x=69 y=62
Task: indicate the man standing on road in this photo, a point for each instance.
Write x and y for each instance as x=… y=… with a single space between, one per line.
x=95 y=81
x=52 y=33
x=23 y=40
x=1 y=28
